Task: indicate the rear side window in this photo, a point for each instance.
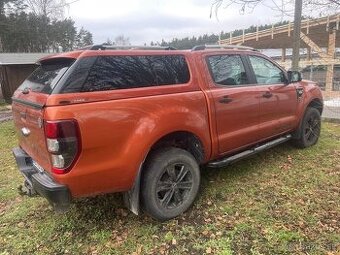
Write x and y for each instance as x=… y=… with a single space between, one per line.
x=124 y=72
x=45 y=77
x=227 y=70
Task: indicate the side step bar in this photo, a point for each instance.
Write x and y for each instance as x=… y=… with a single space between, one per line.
x=228 y=160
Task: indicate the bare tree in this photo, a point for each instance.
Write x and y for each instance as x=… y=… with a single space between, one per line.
x=282 y=7
x=47 y=8
x=122 y=40
x=108 y=41
x=286 y=8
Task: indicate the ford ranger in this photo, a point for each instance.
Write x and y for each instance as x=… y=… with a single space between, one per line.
x=142 y=121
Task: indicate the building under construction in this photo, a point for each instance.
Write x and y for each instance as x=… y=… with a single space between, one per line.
x=319 y=38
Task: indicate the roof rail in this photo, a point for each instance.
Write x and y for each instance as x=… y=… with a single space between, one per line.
x=126 y=47
x=217 y=46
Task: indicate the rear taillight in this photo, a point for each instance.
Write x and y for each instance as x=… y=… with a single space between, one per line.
x=63 y=143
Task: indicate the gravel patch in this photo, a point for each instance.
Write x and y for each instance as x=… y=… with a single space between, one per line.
x=5 y=116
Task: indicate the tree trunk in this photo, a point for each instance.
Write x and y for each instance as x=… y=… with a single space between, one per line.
x=296 y=35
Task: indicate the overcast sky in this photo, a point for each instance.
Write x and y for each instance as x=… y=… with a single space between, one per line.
x=144 y=21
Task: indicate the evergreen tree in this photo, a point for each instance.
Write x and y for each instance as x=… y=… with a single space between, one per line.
x=22 y=30
x=188 y=43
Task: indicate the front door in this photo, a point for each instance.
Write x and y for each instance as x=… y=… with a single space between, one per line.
x=236 y=102
x=278 y=101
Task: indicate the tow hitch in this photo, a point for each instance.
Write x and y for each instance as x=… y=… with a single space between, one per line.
x=40 y=183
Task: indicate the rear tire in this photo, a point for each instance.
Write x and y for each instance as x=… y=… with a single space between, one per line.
x=309 y=130
x=170 y=183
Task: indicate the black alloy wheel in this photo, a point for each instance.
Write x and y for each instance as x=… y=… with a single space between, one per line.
x=170 y=183
x=174 y=185
x=312 y=128
x=309 y=130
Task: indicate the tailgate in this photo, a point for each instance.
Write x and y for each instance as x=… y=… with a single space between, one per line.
x=28 y=113
x=28 y=108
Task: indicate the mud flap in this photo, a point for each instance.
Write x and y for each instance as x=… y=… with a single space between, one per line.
x=132 y=197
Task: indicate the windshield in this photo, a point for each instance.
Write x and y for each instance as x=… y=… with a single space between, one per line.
x=45 y=77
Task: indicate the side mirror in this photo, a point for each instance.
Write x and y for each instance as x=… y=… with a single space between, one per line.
x=294 y=76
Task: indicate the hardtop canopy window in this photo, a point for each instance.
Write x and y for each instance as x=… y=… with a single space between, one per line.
x=45 y=77
x=124 y=72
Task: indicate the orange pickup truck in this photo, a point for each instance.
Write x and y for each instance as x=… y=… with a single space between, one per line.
x=142 y=121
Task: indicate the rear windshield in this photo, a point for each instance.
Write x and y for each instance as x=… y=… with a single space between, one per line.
x=45 y=77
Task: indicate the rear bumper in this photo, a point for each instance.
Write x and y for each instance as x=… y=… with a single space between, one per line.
x=57 y=194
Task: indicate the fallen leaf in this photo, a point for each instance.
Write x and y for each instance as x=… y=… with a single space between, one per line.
x=205 y=232
x=219 y=233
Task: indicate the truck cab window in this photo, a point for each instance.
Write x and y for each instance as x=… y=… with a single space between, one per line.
x=227 y=70
x=265 y=71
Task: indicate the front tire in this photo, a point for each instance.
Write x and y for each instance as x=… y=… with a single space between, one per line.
x=170 y=183
x=309 y=130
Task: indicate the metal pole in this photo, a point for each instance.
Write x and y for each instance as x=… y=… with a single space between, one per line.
x=296 y=35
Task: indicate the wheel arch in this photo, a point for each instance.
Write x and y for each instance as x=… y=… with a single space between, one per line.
x=315 y=103
x=185 y=140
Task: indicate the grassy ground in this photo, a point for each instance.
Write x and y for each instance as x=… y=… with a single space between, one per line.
x=283 y=201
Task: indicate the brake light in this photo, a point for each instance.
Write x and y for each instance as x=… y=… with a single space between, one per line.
x=63 y=143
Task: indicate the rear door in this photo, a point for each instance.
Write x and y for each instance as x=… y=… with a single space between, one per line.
x=278 y=101
x=28 y=109
x=236 y=101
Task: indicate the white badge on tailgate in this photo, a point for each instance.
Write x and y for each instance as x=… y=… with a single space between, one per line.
x=25 y=131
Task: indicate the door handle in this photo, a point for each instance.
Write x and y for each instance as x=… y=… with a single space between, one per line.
x=225 y=100
x=267 y=95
